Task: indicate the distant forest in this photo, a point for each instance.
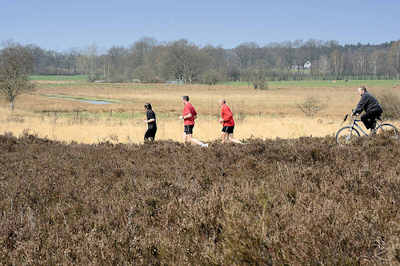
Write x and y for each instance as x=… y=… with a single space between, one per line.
x=148 y=60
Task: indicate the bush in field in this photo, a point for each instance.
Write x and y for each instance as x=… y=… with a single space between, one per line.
x=311 y=106
x=390 y=103
x=92 y=77
x=274 y=202
x=260 y=84
x=258 y=78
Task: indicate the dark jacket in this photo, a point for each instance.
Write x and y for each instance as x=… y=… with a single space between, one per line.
x=151 y=115
x=367 y=103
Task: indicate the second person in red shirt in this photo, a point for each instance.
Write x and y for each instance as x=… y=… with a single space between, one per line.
x=228 y=124
x=189 y=115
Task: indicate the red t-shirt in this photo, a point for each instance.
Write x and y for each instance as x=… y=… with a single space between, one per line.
x=189 y=109
x=227 y=116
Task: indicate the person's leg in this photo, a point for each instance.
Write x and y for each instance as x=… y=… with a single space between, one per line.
x=153 y=134
x=376 y=114
x=196 y=141
x=147 y=135
x=229 y=135
x=231 y=139
x=150 y=135
x=193 y=140
x=224 y=135
x=186 y=137
x=366 y=119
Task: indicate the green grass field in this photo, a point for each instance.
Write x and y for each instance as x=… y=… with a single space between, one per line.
x=271 y=84
x=323 y=83
x=67 y=97
x=58 y=77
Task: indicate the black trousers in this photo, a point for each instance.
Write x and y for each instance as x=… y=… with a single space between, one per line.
x=150 y=134
x=370 y=117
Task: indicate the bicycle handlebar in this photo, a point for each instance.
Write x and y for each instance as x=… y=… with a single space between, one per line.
x=352 y=116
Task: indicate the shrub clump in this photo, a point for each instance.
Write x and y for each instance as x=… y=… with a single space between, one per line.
x=390 y=103
x=311 y=106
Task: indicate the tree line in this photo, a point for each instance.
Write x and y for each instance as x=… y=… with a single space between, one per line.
x=181 y=61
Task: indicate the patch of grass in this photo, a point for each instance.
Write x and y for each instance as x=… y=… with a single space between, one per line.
x=113 y=114
x=68 y=97
x=58 y=77
x=323 y=83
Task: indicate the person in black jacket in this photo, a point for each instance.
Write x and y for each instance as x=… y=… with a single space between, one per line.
x=372 y=108
x=151 y=123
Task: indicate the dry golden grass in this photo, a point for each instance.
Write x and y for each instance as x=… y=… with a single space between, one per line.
x=166 y=98
x=262 y=114
x=207 y=129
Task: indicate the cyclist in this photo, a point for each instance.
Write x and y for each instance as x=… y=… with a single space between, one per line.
x=151 y=123
x=372 y=108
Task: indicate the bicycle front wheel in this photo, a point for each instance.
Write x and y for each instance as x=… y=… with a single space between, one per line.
x=347 y=135
x=388 y=130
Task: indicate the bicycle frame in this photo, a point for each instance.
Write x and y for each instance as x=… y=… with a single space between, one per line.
x=355 y=125
x=343 y=133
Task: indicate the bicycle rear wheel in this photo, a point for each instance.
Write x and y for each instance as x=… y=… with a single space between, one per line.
x=347 y=135
x=388 y=130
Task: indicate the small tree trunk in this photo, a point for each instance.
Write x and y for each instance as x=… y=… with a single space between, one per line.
x=12 y=106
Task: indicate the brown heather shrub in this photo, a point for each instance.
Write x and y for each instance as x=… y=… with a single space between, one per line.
x=390 y=102
x=311 y=106
x=281 y=202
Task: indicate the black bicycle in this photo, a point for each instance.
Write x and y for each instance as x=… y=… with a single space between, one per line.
x=348 y=134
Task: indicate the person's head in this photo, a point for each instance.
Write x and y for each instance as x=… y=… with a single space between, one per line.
x=362 y=90
x=185 y=99
x=147 y=106
x=222 y=101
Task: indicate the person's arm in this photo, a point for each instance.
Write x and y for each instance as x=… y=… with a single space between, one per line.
x=360 y=105
x=151 y=117
x=189 y=115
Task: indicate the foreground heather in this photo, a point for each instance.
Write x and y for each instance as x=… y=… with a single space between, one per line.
x=304 y=201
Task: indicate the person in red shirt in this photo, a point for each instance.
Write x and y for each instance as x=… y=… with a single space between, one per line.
x=188 y=116
x=228 y=124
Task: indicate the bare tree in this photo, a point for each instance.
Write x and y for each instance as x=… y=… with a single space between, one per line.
x=16 y=64
x=185 y=61
x=88 y=64
x=337 y=66
x=324 y=65
x=395 y=57
x=120 y=70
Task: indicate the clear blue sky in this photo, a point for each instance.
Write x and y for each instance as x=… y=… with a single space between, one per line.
x=60 y=25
